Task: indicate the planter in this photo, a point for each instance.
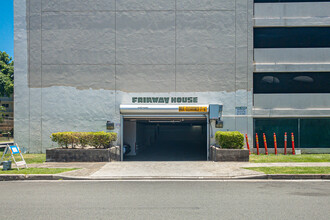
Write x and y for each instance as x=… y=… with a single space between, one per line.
x=219 y=154
x=83 y=155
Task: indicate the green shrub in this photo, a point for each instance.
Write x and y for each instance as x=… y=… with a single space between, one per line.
x=99 y=139
x=230 y=139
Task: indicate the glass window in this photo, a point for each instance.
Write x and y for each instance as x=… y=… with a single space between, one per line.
x=315 y=132
x=293 y=82
x=278 y=126
x=312 y=133
x=291 y=37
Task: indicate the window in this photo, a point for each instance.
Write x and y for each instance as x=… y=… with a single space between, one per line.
x=291 y=37
x=5 y=105
x=315 y=132
x=277 y=126
x=305 y=82
x=308 y=132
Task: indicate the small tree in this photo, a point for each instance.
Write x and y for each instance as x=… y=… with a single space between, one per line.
x=6 y=75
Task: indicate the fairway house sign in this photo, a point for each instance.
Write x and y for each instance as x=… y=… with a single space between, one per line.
x=164 y=100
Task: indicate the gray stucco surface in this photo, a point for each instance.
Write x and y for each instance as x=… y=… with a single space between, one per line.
x=71 y=38
x=78 y=60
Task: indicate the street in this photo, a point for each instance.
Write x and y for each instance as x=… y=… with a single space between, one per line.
x=249 y=199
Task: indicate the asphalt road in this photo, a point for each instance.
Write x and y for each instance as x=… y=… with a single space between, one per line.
x=165 y=200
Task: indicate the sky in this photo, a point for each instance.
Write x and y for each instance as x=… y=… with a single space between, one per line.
x=7 y=27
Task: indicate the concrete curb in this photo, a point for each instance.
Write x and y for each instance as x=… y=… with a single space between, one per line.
x=298 y=176
x=13 y=177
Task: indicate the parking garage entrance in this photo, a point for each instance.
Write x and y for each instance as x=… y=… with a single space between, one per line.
x=164 y=132
x=169 y=139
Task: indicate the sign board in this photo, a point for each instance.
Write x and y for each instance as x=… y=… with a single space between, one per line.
x=192 y=109
x=165 y=100
x=241 y=110
x=14 y=149
x=110 y=125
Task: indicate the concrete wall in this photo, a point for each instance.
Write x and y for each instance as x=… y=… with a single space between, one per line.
x=76 y=61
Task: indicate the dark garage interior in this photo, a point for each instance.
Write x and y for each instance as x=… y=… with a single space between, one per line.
x=170 y=140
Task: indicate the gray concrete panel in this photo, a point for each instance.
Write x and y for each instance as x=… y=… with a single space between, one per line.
x=293 y=67
x=291 y=113
x=145 y=78
x=34 y=6
x=145 y=37
x=78 y=38
x=21 y=95
x=241 y=28
x=78 y=5
x=296 y=101
x=205 y=5
x=79 y=76
x=203 y=78
x=22 y=132
x=292 y=22
x=292 y=55
x=35 y=104
x=289 y=10
x=202 y=38
x=67 y=103
x=250 y=55
x=34 y=34
x=241 y=85
x=35 y=112
x=145 y=5
x=241 y=125
x=35 y=144
x=242 y=5
x=288 y=14
x=241 y=64
x=21 y=98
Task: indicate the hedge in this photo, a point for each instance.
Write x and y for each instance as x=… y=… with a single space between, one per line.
x=99 y=139
x=230 y=139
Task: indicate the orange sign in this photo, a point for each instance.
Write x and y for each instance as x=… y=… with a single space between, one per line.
x=192 y=109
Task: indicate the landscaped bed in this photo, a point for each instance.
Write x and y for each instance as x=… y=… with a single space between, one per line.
x=37 y=170
x=229 y=147
x=291 y=170
x=272 y=158
x=84 y=147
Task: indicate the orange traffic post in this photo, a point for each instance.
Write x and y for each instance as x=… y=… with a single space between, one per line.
x=257 y=143
x=285 y=142
x=292 y=139
x=275 y=144
x=247 y=143
x=265 y=144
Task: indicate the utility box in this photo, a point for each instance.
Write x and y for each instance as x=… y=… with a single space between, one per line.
x=219 y=123
x=215 y=111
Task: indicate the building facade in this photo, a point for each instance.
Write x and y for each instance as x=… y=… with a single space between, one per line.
x=292 y=70
x=142 y=66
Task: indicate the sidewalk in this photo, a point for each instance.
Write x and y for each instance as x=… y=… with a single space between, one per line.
x=169 y=170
